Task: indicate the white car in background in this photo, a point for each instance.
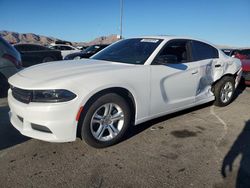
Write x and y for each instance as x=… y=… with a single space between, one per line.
x=64 y=48
x=130 y=82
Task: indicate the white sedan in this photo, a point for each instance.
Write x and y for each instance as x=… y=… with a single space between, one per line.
x=127 y=83
x=65 y=49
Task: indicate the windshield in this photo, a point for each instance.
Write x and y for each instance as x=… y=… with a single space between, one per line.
x=132 y=51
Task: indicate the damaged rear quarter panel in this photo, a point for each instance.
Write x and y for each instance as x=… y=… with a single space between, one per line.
x=228 y=66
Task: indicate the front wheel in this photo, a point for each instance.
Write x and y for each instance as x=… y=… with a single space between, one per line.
x=224 y=91
x=106 y=121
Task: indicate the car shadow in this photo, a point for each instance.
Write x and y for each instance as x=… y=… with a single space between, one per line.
x=241 y=147
x=9 y=136
x=134 y=130
x=240 y=89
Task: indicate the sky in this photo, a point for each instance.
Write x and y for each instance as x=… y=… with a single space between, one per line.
x=224 y=22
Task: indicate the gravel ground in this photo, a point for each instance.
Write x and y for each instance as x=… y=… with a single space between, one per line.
x=186 y=149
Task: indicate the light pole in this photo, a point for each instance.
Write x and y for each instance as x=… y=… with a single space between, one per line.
x=121 y=16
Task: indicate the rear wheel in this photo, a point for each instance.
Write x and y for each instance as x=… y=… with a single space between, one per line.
x=47 y=59
x=224 y=91
x=106 y=121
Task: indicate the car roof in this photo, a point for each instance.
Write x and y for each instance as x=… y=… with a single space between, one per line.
x=171 y=37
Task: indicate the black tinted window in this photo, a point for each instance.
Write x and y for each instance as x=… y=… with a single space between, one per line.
x=245 y=52
x=26 y=48
x=202 y=51
x=66 y=48
x=177 y=48
x=132 y=51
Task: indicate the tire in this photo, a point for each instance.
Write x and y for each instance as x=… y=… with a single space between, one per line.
x=224 y=89
x=4 y=86
x=77 y=58
x=103 y=130
x=47 y=59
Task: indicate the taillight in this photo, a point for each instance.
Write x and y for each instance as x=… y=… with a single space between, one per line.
x=12 y=59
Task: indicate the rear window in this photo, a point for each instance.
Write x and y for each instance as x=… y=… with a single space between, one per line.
x=203 y=51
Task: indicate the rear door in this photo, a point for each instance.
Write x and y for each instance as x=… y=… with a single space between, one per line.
x=208 y=58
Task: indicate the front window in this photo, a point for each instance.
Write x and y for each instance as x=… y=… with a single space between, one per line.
x=131 y=51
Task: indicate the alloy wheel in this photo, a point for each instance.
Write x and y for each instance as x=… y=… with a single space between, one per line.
x=226 y=92
x=107 y=122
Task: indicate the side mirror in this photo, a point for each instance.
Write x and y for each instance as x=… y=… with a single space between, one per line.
x=165 y=59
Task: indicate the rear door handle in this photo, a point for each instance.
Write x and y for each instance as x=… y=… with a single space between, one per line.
x=195 y=72
x=218 y=65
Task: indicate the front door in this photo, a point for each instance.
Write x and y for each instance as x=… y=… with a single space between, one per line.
x=173 y=85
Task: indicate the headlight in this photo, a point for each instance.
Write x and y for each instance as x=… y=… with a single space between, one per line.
x=57 y=95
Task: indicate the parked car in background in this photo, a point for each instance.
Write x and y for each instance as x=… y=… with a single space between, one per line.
x=227 y=51
x=125 y=84
x=63 y=42
x=10 y=63
x=82 y=47
x=65 y=49
x=88 y=52
x=33 y=54
x=244 y=56
x=241 y=53
x=246 y=71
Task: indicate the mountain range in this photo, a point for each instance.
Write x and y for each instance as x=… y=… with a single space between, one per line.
x=15 y=37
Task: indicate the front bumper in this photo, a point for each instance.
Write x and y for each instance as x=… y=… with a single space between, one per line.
x=58 y=118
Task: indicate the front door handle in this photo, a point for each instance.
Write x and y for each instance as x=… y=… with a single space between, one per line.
x=195 y=72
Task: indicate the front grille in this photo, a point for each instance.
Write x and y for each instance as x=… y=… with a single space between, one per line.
x=21 y=94
x=246 y=76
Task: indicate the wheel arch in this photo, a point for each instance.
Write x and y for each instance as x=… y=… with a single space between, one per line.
x=216 y=81
x=121 y=91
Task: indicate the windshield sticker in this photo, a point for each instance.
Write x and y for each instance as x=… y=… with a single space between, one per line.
x=150 y=40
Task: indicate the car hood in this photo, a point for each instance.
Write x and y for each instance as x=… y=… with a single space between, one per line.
x=68 y=68
x=245 y=64
x=64 y=70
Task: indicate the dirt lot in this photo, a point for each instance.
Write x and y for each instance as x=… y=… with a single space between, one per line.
x=187 y=149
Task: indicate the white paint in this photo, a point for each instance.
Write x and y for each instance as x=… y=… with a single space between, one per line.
x=157 y=89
